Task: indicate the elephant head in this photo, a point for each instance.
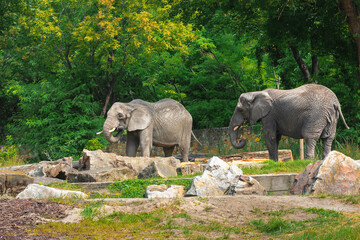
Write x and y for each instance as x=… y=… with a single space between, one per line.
x=251 y=107
x=123 y=116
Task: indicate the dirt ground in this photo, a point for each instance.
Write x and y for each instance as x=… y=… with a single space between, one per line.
x=18 y=216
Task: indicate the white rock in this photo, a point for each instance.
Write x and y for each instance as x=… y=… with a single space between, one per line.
x=164 y=191
x=217 y=179
x=37 y=191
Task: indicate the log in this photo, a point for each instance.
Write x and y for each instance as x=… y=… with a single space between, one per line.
x=284 y=156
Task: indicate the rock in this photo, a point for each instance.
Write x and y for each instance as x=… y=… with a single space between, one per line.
x=191 y=169
x=55 y=169
x=304 y=182
x=246 y=185
x=102 y=175
x=60 y=169
x=158 y=169
x=336 y=174
x=220 y=178
x=37 y=191
x=204 y=186
x=164 y=191
x=92 y=160
x=13 y=182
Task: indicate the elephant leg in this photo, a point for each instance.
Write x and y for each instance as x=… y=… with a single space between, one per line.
x=271 y=140
x=145 y=142
x=327 y=142
x=132 y=145
x=168 y=151
x=185 y=147
x=271 y=144
x=310 y=148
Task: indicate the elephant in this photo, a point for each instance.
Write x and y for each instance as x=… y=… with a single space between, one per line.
x=165 y=124
x=310 y=112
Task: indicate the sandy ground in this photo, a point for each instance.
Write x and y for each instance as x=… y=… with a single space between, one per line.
x=18 y=216
x=225 y=208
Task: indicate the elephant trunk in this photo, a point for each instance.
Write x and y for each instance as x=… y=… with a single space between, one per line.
x=236 y=121
x=108 y=128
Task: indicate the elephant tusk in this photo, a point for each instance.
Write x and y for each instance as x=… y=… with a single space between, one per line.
x=98 y=133
x=112 y=130
x=236 y=128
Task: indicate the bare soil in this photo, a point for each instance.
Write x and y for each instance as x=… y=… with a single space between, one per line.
x=19 y=216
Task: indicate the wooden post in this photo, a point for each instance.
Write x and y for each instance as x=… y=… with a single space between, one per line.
x=301 y=149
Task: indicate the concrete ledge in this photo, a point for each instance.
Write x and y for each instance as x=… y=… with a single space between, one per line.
x=277 y=184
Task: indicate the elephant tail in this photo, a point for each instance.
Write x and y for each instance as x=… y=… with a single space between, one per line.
x=192 y=133
x=338 y=108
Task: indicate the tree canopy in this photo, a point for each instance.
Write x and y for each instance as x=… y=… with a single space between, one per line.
x=64 y=62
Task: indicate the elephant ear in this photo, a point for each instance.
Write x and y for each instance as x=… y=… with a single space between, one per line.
x=140 y=119
x=260 y=106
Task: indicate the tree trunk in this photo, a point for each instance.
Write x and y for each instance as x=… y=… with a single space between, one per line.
x=352 y=12
x=302 y=65
x=315 y=67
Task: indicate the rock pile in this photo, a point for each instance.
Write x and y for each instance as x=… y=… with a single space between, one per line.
x=220 y=178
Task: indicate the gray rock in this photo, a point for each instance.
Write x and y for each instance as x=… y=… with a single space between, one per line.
x=158 y=169
x=36 y=191
x=102 y=175
x=92 y=160
x=220 y=178
x=304 y=182
x=246 y=185
x=164 y=191
x=55 y=169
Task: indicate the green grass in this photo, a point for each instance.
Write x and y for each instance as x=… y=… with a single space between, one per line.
x=135 y=188
x=353 y=199
x=270 y=166
x=277 y=225
x=66 y=186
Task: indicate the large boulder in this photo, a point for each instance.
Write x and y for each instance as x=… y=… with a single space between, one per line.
x=220 y=178
x=164 y=191
x=13 y=182
x=36 y=191
x=92 y=160
x=103 y=175
x=336 y=174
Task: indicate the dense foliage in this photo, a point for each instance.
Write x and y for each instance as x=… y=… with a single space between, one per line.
x=64 y=62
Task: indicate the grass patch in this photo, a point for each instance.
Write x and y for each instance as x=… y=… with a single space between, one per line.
x=135 y=188
x=65 y=186
x=277 y=225
x=159 y=224
x=277 y=167
x=353 y=199
x=91 y=210
x=326 y=220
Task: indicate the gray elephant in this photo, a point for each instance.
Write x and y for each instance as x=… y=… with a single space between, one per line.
x=165 y=124
x=309 y=112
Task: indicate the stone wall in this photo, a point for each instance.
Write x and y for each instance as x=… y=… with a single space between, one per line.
x=213 y=141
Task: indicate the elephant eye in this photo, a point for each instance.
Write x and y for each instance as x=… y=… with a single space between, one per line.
x=121 y=116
